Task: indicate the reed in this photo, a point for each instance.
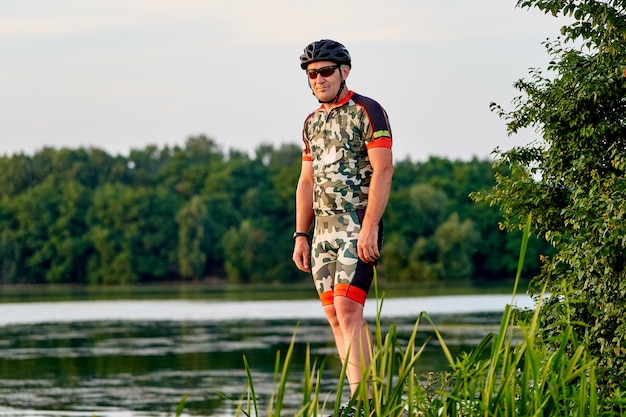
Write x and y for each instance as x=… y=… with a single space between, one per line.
x=509 y=373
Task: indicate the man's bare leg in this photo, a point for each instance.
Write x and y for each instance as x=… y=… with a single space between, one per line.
x=352 y=337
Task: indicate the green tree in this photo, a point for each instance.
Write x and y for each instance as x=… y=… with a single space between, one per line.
x=422 y=260
x=68 y=235
x=414 y=215
x=202 y=224
x=262 y=189
x=144 y=165
x=47 y=240
x=221 y=217
x=278 y=202
x=245 y=257
x=455 y=242
x=572 y=179
x=9 y=252
x=416 y=210
x=134 y=234
x=445 y=254
x=186 y=170
x=423 y=195
x=191 y=256
x=16 y=174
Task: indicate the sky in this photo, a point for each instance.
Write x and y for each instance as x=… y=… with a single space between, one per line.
x=124 y=74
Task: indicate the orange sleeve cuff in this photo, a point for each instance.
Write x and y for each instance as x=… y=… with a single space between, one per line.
x=384 y=142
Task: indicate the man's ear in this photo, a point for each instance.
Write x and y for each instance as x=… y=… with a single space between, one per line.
x=345 y=71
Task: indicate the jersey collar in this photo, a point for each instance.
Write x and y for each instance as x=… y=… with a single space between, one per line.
x=342 y=102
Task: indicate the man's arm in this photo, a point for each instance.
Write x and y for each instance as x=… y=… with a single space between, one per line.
x=380 y=186
x=304 y=217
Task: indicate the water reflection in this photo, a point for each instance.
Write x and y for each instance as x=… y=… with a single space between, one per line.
x=138 y=366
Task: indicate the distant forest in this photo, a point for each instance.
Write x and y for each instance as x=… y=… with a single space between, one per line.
x=190 y=213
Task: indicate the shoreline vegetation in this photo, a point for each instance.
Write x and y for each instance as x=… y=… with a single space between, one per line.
x=510 y=373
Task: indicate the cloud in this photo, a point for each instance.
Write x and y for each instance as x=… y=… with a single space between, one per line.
x=255 y=22
x=75 y=17
x=285 y=21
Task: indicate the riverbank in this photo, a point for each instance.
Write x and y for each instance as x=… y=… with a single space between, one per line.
x=212 y=290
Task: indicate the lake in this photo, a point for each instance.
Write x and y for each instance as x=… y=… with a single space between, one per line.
x=138 y=358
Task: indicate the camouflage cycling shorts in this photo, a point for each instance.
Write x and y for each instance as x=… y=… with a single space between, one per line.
x=337 y=269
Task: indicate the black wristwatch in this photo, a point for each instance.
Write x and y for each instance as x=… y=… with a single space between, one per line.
x=298 y=234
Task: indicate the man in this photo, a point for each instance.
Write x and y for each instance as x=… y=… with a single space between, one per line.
x=344 y=186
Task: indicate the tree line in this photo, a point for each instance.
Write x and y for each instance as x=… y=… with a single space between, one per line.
x=196 y=212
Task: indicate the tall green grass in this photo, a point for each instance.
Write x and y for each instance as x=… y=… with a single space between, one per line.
x=509 y=373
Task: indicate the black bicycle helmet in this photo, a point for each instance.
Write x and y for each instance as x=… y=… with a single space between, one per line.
x=325 y=50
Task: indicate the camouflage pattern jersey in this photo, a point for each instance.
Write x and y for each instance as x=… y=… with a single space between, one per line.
x=337 y=143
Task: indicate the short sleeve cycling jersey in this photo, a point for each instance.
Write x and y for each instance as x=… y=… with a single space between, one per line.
x=337 y=143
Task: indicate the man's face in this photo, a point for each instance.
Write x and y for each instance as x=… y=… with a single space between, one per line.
x=325 y=87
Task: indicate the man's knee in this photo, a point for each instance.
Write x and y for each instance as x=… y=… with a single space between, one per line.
x=348 y=310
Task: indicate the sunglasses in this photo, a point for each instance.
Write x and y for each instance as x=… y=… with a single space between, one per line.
x=324 y=71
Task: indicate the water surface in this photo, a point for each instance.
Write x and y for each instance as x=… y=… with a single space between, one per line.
x=138 y=358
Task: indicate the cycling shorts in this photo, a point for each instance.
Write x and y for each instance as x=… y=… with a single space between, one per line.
x=335 y=264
